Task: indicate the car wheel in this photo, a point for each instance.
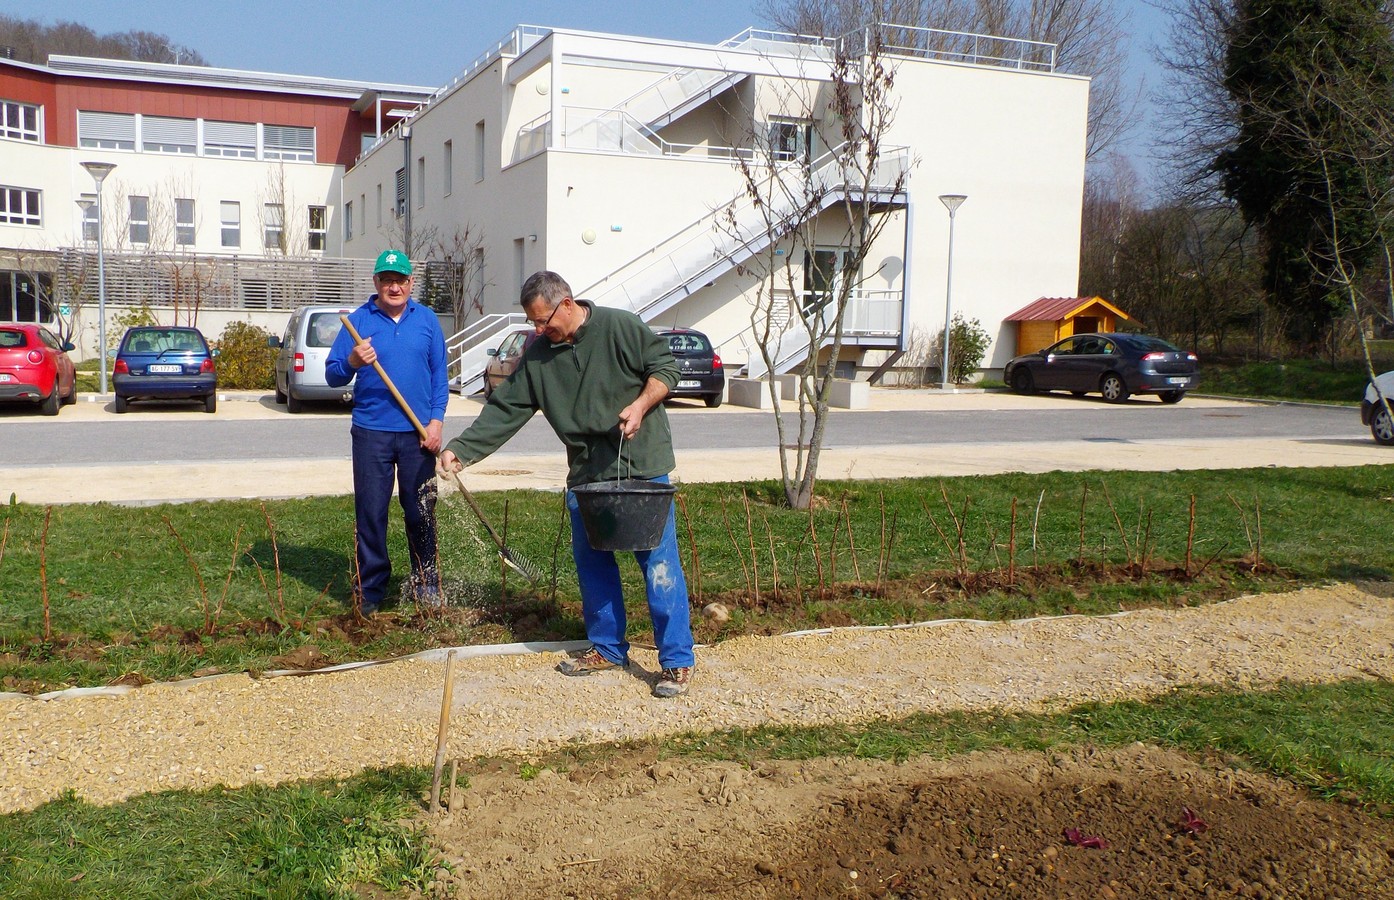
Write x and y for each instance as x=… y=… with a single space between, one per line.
x=1381 y=427
x=712 y=400
x=294 y=404
x=280 y=394
x=1172 y=396
x=120 y=403
x=1022 y=382
x=210 y=403
x=49 y=406
x=71 y=398
x=1113 y=388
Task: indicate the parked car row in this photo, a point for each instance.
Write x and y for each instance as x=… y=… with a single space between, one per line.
x=176 y=363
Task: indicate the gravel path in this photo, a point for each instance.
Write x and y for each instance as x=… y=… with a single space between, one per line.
x=235 y=730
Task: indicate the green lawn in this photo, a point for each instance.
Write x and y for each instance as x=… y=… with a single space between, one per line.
x=1296 y=379
x=166 y=591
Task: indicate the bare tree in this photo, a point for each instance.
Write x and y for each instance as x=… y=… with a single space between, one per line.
x=796 y=204
x=32 y=41
x=453 y=270
x=1090 y=34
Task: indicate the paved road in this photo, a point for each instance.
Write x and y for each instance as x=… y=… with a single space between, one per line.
x=178 y=434
x=253 y=449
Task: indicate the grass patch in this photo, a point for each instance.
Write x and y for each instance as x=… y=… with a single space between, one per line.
x=237 y=585
x=1296 y=379
x=316 y=839
x=330 y=838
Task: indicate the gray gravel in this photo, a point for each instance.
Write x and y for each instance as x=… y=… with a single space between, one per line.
x=235 y=730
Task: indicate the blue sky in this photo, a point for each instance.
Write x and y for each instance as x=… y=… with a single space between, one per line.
x=427 y=43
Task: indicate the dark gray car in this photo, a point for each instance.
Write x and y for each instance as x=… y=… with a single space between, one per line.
x=1114 y=365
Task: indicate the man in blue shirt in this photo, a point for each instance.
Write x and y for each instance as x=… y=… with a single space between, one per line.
x=405 y=338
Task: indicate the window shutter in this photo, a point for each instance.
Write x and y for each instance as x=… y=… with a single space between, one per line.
x=99 y=126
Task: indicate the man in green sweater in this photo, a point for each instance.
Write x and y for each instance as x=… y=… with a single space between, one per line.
x=599 y=377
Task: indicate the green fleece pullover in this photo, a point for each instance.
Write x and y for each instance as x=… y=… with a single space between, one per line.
x=581 y=388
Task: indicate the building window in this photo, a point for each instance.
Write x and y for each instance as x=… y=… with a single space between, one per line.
x=20 y=121
x=479 y=151
x=421 y=182
x=20 y=206
x=348 y=221
x=274 y=222
x=106 y=131
x=790 y=140
x=89 y=218
x=399 y=208
x=288 y=142
x=317 y=231
x=24 y=298
x=448 y=172
x=379 y=206
x=184 y=222
x=159 y=134
x=235 y=139
x=230 y=215
x=140 y=219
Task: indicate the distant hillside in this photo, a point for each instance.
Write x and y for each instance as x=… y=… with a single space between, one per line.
x=29 y=40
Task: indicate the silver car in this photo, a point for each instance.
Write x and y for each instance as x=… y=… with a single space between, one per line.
x=304 y=348
x=1376 y=414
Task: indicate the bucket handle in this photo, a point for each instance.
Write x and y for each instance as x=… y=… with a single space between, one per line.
x=619 y=462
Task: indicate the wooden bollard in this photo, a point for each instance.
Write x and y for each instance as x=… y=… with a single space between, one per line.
x=444 y=727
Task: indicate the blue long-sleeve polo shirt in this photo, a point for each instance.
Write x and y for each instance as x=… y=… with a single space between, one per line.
x=411 y=350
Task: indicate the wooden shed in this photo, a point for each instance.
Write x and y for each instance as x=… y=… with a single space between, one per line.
x=1047 y=320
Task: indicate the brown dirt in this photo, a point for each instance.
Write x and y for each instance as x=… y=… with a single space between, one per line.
x=984 y=825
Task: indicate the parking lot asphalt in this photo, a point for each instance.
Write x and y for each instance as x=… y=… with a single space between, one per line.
x=181 y=482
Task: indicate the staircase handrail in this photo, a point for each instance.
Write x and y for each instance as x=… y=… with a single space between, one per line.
x=705 y=226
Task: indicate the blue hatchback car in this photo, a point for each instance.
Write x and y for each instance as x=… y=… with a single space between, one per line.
x=165 y=363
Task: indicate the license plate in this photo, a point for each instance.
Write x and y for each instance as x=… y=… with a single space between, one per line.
x=1178 y=381
x=164 y=369
x=689 y=384
x=5 y=379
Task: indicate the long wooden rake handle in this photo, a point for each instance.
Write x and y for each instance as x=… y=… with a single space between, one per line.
x=508 y=556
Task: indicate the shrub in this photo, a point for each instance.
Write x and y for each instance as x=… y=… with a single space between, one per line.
x=967 y=348
x=245 y=360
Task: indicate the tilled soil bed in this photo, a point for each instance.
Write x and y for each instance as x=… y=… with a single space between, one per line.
x=1145 y=822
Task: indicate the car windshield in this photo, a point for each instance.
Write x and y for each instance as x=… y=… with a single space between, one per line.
x=323 y=328
x=12 y=339
x=688 y=343
x=1152 y=345
x=160 y=340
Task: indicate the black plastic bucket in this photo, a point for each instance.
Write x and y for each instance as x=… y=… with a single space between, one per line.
x=624 y=515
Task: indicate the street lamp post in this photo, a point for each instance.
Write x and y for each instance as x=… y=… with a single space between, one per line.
x=99 y=171
x=951 y=202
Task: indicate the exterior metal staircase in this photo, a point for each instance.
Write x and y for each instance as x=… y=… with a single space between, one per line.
x=659 y=278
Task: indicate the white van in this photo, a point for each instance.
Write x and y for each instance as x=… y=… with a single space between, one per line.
x=304 y=348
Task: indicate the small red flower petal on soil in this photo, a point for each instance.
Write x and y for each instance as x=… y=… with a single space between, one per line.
x=1080 y=839
x=1191 y=822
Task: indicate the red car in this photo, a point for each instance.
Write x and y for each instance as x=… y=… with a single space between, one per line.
x=34 y=366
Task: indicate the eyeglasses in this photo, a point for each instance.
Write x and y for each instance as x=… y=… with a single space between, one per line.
x=547 y=321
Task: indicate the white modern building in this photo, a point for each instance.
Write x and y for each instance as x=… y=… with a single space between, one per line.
x=612 y=160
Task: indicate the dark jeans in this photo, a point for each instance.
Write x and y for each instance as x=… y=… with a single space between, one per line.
x=379 y=459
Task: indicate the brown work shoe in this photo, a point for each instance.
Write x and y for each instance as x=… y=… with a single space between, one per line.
x=587 y=663
x=673 y=682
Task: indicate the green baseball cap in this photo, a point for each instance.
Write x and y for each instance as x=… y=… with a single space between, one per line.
x=392 y=261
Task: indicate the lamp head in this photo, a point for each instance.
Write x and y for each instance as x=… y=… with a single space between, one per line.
x=952 y=201
x=86 y=205
x=99 y=171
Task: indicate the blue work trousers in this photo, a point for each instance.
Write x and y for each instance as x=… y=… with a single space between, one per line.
x=380 y=459
x=602 y=598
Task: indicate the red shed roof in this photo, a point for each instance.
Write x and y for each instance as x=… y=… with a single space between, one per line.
x=1054 y=309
